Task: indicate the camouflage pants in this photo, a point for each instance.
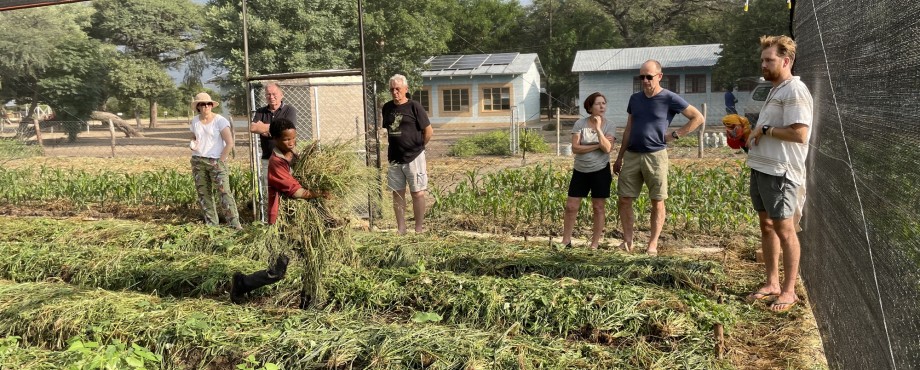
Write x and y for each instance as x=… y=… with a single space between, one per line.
x=213 y=176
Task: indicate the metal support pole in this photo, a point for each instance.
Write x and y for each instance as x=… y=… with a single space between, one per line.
x=254 y=161
x=367 y=129
x=316 y=136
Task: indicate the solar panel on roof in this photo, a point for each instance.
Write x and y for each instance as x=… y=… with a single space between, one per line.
x=470 y=61
x=443 y=61
x=500 y=59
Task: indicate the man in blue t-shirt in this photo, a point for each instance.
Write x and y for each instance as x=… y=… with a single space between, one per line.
x=643 y=155
x=730 y=100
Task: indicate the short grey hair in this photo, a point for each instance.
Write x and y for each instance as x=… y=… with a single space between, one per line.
x=400 y=79
x=275 y=84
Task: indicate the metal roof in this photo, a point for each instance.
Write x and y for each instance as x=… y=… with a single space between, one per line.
x=23 y=4
x=481 y=64
x=632 y=58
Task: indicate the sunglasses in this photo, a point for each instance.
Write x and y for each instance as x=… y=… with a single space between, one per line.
x=647 y=77
x=205 y=104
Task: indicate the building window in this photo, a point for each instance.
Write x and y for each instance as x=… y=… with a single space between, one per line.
x=424 y=98
x=637 y=84
x=694 y=84
x=496 y=99
x=671 y=82
x=456 y=100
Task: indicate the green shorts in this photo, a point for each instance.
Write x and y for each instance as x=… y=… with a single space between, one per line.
x=650 y=169
x=775 y=195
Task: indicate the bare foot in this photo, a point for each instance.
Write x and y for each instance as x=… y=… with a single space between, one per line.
x=765 y=292
x=784 y=302
x=652 y=248
x=626 y=246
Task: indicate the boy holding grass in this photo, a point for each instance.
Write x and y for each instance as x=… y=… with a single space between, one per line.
x=280 y=183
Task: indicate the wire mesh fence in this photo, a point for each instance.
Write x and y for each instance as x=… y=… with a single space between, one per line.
x=330 y=108
x=861 y=243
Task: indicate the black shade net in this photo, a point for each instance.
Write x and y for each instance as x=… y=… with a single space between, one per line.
x=861 y=243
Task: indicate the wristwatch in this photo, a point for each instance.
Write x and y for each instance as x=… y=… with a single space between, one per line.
x=764 y=129
x=675 y=135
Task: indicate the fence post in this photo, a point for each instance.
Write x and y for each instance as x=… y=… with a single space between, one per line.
x=511 y=147
x=521 y=144
x=701 y=134
x=316 y=112
x=38 y=134
x=255 y=161
x=558 y=142
x=112 y=134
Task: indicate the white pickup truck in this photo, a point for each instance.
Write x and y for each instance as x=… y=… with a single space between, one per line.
x=751 y=104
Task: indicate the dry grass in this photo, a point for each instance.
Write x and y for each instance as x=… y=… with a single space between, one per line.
x=767 y=340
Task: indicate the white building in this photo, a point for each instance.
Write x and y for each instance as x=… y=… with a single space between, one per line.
x=481 y=90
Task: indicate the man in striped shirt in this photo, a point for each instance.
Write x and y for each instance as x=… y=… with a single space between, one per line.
x=779 y=146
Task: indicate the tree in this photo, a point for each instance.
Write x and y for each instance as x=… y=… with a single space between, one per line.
x=740 y=55
x=654 y=22
x=556 y=30
x=163 y=32
x=49 y=58
x=485 y=26
x=400 y=38
x=284 y=36
x=297 y=36
x=140 y=79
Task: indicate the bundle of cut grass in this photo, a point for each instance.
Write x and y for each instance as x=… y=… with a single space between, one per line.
x=192 y=333
x=318 y=229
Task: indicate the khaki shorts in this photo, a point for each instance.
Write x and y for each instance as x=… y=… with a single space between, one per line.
x=650 y=169
x=414 y=173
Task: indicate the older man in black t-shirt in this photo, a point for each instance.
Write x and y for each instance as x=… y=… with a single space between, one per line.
x=408 y=131
x=261 y=122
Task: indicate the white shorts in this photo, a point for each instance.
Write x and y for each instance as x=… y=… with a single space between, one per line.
x=414 y=173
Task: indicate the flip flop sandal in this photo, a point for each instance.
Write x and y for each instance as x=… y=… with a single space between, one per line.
x=788 y=306
x=760 y=295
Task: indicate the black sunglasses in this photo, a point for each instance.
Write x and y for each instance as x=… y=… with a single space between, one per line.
x=647 y=77
x=203 y=104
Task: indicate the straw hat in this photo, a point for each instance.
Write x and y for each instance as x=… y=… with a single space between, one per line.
x=202 y=98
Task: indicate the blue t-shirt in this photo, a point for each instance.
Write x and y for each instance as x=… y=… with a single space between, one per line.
x=730 y=99
x=651 y=118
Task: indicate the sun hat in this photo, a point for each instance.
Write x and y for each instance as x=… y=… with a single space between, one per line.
x=202 y=98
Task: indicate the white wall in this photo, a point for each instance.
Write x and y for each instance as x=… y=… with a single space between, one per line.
x=531 y=98
x=525 y=96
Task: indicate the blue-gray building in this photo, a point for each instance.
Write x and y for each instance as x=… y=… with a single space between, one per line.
x=481 y=90
x=687 y=71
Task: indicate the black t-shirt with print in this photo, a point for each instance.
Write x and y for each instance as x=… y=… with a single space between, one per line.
x=265 y=115
x=405 y=124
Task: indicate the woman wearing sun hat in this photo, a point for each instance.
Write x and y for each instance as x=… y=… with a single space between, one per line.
x=210 y=150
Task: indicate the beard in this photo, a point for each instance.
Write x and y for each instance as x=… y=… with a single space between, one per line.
x=770 y=75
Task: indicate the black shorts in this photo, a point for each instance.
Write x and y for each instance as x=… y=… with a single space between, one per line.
x=597 y=183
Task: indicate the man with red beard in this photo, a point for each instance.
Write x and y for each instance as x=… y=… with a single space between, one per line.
x=779 y=146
